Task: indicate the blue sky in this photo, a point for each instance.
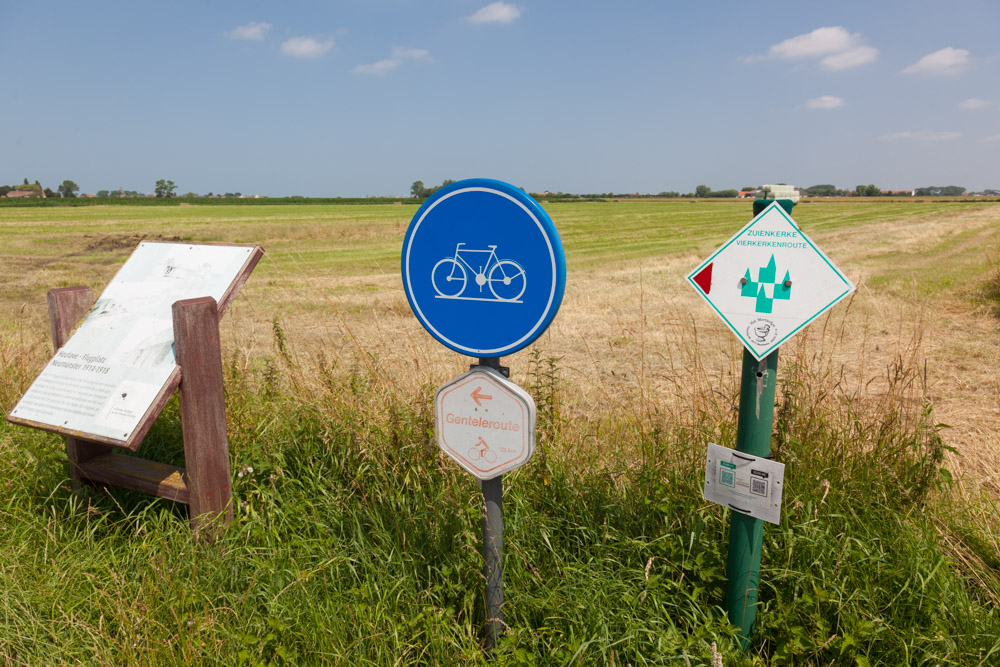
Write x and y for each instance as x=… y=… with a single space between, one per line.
x=363 y=97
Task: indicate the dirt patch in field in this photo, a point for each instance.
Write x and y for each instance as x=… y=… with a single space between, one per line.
x=121 y=241
x=114 y=244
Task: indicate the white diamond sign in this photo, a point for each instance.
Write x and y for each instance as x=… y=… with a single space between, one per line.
x=769 y=281
x=485 y=422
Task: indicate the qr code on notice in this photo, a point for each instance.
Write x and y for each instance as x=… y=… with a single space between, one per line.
x=727 y=478
x=758 y=487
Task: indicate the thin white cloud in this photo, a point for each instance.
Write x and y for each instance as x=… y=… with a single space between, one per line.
x=305 y=47
x=995 y=137
x=861 y=55
x=836 y=47
x=974 y=103
x=947 y=61
x=498 y=12
x=825 y=102
x=819 y=42
x=255 y=30
x=399 y=56
x=380 y=68
x=921 y=135
x=417 y=55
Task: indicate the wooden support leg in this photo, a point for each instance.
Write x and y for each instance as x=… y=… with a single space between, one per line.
x=67 y=306
x=203 y=413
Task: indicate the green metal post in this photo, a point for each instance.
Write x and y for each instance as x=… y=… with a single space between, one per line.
x=753 y=436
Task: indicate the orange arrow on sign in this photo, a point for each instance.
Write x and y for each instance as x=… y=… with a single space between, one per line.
x=476 y=396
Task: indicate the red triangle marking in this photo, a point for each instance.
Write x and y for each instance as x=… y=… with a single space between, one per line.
x=704 y=279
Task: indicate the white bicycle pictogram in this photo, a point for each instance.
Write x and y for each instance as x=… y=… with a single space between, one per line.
x=504 y=277
x=481 y=449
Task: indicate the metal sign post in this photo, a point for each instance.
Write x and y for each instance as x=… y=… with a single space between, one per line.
x=766 y=283
x=753 y=436
x=493 y=542
x=484 y=271
x=486 y=424
x=754 y=425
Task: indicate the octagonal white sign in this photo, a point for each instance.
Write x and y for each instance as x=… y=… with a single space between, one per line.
x=485 y=422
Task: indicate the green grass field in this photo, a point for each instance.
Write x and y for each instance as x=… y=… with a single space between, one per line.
x=356 y=542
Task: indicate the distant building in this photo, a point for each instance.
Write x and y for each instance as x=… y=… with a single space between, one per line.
x=779 y=191
x=14 y=194
x=899 y=193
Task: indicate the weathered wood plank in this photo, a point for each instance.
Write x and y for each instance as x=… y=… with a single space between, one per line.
x=203 y=412
x=67 y=306
x=130 y=472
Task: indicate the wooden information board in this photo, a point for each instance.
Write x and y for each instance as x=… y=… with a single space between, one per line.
x=112 y=377
x=154 y=330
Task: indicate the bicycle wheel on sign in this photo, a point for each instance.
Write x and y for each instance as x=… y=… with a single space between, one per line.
x=507 y=280
x=448 y=278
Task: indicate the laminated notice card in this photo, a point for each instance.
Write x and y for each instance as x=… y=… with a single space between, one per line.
x=102 y=383
x=745 y=483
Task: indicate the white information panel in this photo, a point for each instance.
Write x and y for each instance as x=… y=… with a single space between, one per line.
x=744 y=483
x=107 y=375
x=485 y=422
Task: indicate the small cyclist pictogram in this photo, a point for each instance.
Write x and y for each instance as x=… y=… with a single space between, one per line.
x=504 y=278
x=483 y=451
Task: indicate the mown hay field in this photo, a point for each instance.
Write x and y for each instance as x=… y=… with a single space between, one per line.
x=356 y=542
x=630 y=334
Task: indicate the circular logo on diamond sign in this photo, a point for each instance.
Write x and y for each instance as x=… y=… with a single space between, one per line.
x=483 y=267
x=485 y=422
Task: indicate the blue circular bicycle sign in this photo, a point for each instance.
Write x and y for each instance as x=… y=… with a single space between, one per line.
x=483 y=267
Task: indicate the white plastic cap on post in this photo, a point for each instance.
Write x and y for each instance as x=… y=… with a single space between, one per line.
x=779 y=192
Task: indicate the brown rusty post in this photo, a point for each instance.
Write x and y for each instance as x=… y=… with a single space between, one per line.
x=203 y=412
x=67 y=306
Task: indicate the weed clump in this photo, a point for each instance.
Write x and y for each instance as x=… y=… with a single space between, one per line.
x=990 y=289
